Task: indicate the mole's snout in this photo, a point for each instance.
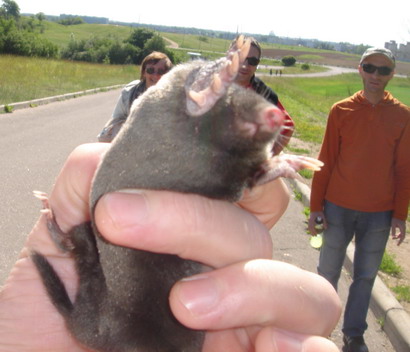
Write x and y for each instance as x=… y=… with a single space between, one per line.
x=273 y=118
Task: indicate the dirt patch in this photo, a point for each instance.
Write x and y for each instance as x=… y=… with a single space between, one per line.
x=328 y=58
x=400 y=253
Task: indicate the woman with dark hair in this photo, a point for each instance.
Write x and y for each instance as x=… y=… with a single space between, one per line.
x=153 y=67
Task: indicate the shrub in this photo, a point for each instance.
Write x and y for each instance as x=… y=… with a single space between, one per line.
x=305 y=67
x=8 y=109
x=288 y=60
x=16 y=41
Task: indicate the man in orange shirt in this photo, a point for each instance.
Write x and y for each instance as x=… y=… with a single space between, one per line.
x=363 y=190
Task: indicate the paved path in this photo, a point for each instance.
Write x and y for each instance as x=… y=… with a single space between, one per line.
x=331 y=71
x=34 y=144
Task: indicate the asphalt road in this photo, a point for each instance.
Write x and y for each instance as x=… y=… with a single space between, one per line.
x=34 y=144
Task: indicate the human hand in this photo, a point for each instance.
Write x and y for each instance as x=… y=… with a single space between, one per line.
x=267 y=202
x=194 y=227
x=401 y=226
x=312 y=221
x=245 y=305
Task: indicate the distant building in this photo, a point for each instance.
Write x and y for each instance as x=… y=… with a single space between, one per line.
x=401 y=51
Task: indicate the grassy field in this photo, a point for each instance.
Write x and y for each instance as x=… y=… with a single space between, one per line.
x=61 y=35
x=309 y=100
x=31 y=78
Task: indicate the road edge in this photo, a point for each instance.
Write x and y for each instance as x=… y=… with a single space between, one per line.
x=42 y=101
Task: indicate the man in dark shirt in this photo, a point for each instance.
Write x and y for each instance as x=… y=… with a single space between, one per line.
x=246 y=78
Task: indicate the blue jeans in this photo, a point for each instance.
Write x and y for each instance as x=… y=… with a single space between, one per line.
x=371 y=231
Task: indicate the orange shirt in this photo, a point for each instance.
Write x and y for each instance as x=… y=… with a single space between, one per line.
x=366 y=152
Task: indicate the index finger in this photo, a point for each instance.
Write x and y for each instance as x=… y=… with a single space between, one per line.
x=212 y=232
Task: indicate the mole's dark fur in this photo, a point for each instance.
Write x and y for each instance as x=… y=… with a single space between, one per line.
x=122 y=301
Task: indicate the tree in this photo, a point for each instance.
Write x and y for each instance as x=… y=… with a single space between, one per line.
x=139 y=36
x=10 y=9
x=156 y=43
x=41 y=16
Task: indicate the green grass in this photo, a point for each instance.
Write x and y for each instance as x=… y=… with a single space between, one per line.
x=306 y=212
x=389 y=266
x=197 y=42
x=296 y=150
x=61 y=35
x=31 y=78
x=298 y=195
x=402 y=292
x=308 y=100
x=308 y=174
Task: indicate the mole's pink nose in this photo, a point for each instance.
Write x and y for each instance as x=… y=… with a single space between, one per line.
x=274 y=118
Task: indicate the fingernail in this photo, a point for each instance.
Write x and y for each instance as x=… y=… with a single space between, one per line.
x=126 y=208
x=199 y=294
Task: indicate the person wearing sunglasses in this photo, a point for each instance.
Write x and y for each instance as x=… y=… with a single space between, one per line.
x=247 y=78
x=153 y=67
x=363 y=190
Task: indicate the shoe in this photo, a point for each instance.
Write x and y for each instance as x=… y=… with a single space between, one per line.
x=354 y=344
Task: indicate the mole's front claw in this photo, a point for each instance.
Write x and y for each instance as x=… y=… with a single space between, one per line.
x=286 y=165
x=299 y=162
x=60 y=238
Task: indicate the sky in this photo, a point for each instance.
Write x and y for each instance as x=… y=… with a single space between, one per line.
x=354 y=21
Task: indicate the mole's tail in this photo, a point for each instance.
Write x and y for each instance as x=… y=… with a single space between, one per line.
x=54 y=286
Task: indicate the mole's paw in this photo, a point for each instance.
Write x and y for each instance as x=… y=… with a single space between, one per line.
x=285 y=165
x=43 y=197
x=60 y=238
x=299 y=162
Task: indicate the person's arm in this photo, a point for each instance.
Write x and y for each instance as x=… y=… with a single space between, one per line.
x=120 y=113
x=328 y=155
x=221 y=235
x=286 y=132
x=402 y=186
x=114 y=124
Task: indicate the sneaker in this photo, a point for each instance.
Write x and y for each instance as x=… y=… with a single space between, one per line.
x=354 y=344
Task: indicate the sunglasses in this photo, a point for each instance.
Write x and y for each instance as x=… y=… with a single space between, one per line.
x=253 y=61
x=382 y=70
x=152 y=71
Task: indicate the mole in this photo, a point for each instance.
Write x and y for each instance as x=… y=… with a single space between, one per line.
x=195 y=131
